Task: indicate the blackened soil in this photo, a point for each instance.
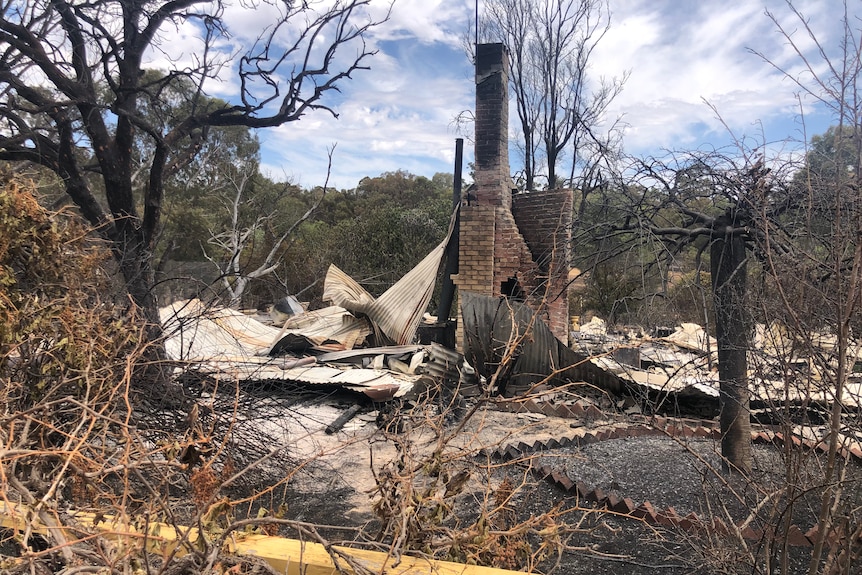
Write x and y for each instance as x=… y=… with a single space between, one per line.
x=666 y=472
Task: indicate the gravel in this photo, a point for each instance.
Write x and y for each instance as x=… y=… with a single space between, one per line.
x=687 y=476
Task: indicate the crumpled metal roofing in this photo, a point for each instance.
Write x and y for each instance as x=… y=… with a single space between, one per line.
x=180 y=323
x=195 y=331
x=229 y=344
x=330 y=324
x=505 y=337
x=398 y=311
x=681 y=365
x=376 y=383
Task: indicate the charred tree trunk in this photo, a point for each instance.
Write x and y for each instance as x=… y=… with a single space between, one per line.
x=153 y=381
x=729 y=270
x=91 y=110
x=137 y=268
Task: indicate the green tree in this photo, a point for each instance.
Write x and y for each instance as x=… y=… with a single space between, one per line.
x=375 y=232
x=194 y=207
x=399 y=188
x=380 y=247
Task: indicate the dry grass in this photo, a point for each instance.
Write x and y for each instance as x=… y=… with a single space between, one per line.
x=72 y=434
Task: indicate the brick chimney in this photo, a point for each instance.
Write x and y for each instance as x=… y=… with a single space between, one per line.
x=493 y=179
x=494 y=256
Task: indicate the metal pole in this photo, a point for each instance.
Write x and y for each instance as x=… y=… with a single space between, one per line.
x=447 y=291
x=456 y=182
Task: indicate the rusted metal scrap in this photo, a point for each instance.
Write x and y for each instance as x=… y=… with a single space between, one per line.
x=504 y=338
x=225 y=343
x=398 y=311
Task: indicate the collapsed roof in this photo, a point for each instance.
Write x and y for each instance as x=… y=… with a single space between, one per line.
x=684 y=364
x=227 y=343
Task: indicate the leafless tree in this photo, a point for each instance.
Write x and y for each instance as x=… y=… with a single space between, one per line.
x=828 y=263
x=74 y=90
x=723 y=206
x=559 y=107
x=234 y=242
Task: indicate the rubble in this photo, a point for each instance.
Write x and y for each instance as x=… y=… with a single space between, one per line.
x=231 y=346
x=225 y=343
x=684 y=364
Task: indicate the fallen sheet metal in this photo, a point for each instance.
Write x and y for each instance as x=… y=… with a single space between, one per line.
x=398 y=311
x=228 y=343
x=693 y=337
x=506 y=342
x=684 y=364
x=678 y=377
x=231 y=346
x=333 y=326
x=180 y=321
x=195 y=331
x=377 y=384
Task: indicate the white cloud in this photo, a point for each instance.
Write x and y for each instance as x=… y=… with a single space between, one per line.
x=426 y=21
x=397 y=115
x=681 y=54
x=382 y=126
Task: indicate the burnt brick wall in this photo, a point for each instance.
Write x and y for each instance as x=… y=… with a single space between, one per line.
x=476 y=250
x=475 y=256
x=502 y=244
x=544 y=219
x=512 y=257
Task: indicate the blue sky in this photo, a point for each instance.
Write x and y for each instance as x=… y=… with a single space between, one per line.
x=680 y=54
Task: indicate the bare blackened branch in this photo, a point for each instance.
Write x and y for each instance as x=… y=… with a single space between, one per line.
x=550 y=45
x=78 y=100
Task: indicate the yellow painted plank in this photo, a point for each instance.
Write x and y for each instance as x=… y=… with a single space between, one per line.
x=285 y=555
x=288 y=556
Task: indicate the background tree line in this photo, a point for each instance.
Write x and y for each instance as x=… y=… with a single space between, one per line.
x=375 y=232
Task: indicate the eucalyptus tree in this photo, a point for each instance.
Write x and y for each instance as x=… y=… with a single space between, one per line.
x=398 y=218
x=248 y=246
x=75 y=94
x=193 y=206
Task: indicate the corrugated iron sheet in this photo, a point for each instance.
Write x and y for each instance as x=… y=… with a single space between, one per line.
x=233 y=346
x=505 y=338
x=195 y=331
x=685 y=364
x=377 y=384
x=327 y=325
x=183 y=319
x=444 y=364
x=398 y=311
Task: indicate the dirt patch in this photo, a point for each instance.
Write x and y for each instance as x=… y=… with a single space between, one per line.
x=339 y=473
